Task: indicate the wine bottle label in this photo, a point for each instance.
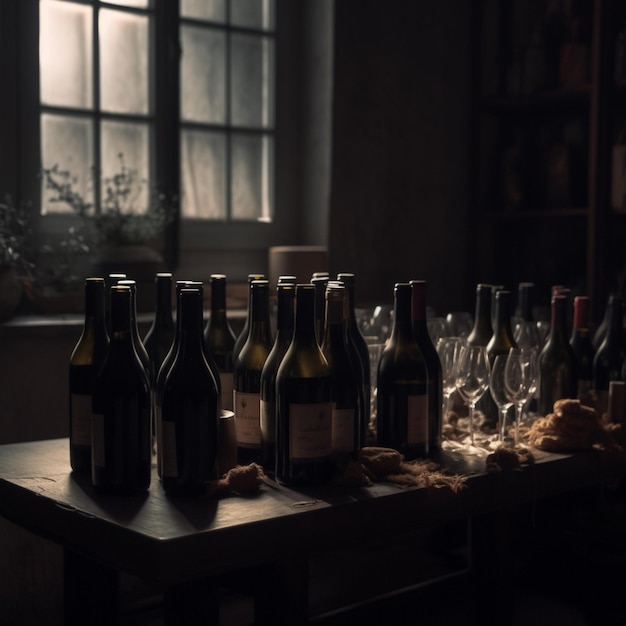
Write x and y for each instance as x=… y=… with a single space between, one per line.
x=343 y=430
x=97 y=439
x=310 y=431
x=247 y=418
x=169 y=458
x=81 y=419
x=226 y=378
x=268 y=434
x=417 y=419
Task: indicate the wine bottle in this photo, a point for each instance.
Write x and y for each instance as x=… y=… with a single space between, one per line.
x=607 y=363
x=85 y=362
x=137 y=341
x=160 y=336
x=402 y=389
x=112 y=279
x=481 y=332
x=220 y=339
x=287 y=278
x=243 y=335
x=433 y=364
x=492 y=308
x=502 y=338
x=320 y=282
x=347 y=431
x=247 y=375
x=304 y=403
x=354 y=335
x=526 y=333
x=557 y=362
x=580 y=341
x=286 y=294
x=121 y=438
x=189 y=408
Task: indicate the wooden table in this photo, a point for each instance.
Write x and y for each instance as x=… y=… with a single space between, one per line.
x=187 y=545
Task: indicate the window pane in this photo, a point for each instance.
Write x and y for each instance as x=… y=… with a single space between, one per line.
x=203 y=165
x=68 y=143
x=251 y=186
x=210 y=10
x=126 y=145
x=203 y=75
x=65 y=54
x=124 y=62
x=139 y=4
x=252 y=13
x=251 y=82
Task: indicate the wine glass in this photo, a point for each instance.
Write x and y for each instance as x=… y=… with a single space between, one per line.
x=520 y=376
x=472 y=380
x=497 y=388
x=459 y=323
x=448 y=349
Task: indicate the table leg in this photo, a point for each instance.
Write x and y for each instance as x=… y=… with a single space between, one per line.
x=192 y=603
x=91 y=591
x=281 y=596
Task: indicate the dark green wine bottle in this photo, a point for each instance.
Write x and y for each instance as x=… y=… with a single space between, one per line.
x=85 y=363
x=247 y=375
x=609 y=358
x=121 y=437
x=557 y=362
x=190 y=408
x=402 y=390
x=243 y=335
x=286 y=294
x=433 y=364
x=481 y=332
x=580 y=341
x=347 y=430
x=220 y=339
x=304 y=401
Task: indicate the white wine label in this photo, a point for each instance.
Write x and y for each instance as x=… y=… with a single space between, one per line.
x=226 y=379
x=310 y=430
x=81 y=419
x=417 y=419
x=343 y=430
x=247 y=418
x=267 y=432
x=97 y=440
x=168 y=458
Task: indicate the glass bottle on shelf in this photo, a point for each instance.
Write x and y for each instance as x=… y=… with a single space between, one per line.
x=320 y=282
x=580 y=341
x=286 y=294
x=86 y=360
x=247 y=375
x=304 y=403
x=402 y=385
x=433 y=364
x=220 y=339
x=526 y=333
x=137 y=341
x=557 y=362
x=121 y=437
x=189 y=407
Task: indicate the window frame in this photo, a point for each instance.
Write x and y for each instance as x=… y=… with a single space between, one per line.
x=188 y=240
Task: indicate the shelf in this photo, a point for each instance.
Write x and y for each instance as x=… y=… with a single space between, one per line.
x=536 y=214
x=540 y=101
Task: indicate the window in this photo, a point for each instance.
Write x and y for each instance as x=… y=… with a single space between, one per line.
x=189 y=91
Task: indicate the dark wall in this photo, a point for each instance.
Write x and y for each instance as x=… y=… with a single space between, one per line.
x=398 y=200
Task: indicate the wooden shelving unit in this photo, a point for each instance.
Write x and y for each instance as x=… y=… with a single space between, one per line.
x=548 y=107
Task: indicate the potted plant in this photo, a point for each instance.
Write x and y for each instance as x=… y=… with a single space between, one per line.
x=15 y=257
x=125 y=229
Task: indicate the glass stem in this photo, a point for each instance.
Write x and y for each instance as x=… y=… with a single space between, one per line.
x=472 y=404
x=518 y=419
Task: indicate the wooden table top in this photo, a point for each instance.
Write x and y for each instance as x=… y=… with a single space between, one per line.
x=171 y=540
